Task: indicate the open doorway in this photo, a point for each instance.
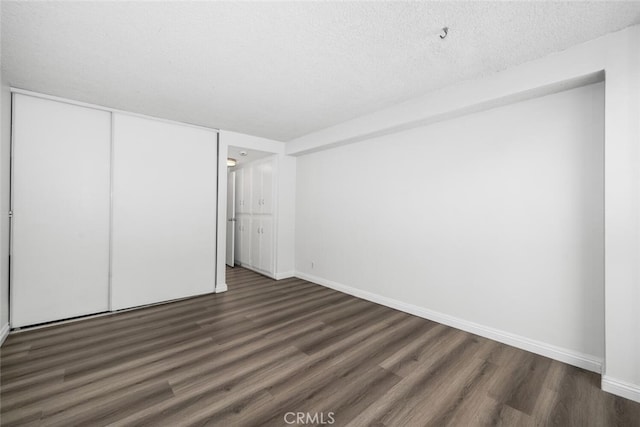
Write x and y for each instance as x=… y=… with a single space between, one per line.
x=237 y=158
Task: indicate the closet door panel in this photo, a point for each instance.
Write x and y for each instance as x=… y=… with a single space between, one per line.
x=246 y=241
x=247 y=190
x=256 y=189
x=239 y=199
x=60 y=186
x=266 y=171
x=238 y=239
x=266 y=245
x=164 y=211
x=255 y=242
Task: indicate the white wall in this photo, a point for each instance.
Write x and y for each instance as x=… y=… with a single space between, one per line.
x=494 y=218
x=617 y=55
x=622 y=214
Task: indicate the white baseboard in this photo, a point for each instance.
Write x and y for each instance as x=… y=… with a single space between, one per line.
x=275 y=276
x=221 y=288
x=4 y=332
x=621 y=388
x=571 y=357
x=285 y=275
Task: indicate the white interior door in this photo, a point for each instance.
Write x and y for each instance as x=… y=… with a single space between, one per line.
x=164 y=211
x=231 y=218
x=60 y=192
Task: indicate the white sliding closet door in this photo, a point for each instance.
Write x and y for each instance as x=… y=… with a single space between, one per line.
x=60 y=192
x=164 y=211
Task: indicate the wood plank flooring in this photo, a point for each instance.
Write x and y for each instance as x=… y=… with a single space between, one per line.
x=265 y=348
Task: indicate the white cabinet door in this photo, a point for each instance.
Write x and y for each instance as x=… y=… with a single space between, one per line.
x=266 y=245
x=261 y=243
x=256 y=189
x=238 y=239
x=255 y=242
x=247 y=190
x=60 y=190
x=164 y=211
x=238 y=189
x=243 y=240
x=262 y=187
x=266 y=190
x=243 y=190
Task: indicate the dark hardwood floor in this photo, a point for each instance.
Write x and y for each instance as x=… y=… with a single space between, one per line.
x=267 y=348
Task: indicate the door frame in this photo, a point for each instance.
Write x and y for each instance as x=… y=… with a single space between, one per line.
x=231 y=187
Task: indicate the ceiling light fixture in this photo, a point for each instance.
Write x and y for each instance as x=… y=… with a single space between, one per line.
x=243 y=153
x=231 y=162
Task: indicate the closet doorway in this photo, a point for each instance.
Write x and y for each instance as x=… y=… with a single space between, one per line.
x=251 y=209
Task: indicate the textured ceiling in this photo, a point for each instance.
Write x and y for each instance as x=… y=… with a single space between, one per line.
x=279 y=70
